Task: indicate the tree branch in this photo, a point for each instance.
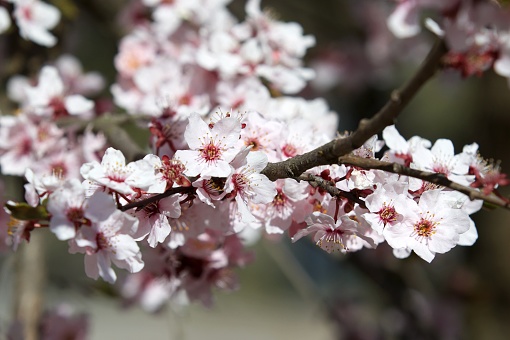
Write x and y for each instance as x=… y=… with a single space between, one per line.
x=431 y=177
x=329 y=153
x=329 y=187
x=143 y=203
x=29 y=293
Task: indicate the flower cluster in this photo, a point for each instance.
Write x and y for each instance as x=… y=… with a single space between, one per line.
x=476 y=31
x=218 y=94
x=33 y=140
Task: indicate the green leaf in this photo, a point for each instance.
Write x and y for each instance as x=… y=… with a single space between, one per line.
x=25 y=212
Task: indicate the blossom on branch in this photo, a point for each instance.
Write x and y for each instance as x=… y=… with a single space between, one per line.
x=211 y=149
x=330 y=235
x=34 y=18
x=108 y=240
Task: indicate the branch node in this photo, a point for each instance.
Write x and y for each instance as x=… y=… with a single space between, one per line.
x=395 y=96
x=363 y=123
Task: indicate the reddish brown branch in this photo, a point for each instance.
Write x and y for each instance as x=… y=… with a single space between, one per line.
x=329 y=187
x=329 y=153
x=152 y=199
x=431 y=177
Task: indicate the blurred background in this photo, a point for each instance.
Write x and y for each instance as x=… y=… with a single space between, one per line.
x=297 y=291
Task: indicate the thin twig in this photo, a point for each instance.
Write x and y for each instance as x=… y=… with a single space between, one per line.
x=329 y=187
x=152 y=199
x=329 y=153
x=431 y=177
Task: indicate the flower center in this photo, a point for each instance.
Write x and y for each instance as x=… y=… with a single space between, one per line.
x=240 y=182
x=331 y=241
x=425 y=228
x=172 y=170
x=289 y=150
x=25 y=147
x=215 y=186
x=75 y=215
x=280 y=199
x=59 y=169
x=387 y=214
x=254 y=143
x=211 y=152
x=59 y=109
x=102 y=242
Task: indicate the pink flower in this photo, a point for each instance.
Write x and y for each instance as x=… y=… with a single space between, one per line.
x=75 y=80
x=211 y=149
x=435 y=226
x=34 y=18
x=154 y=219
x=441 y=158
x=168 y=173
x=50 y=97
x=114 y=174
x=23 y=142
x=400 y=149
x=288 y=204
x=108 y=240
x=247 y=186
x=135 y=51
x=70 y=209
x=331 y=235
x=387 y=206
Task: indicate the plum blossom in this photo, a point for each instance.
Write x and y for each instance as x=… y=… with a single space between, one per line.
x=75 y=79
x=34 y=18
x=70 y=210
x=247 y=186
x=488 y=175
x=261 y=134
x=282 y=45
x=404 y=22
x=400 y=149
x=193 y=221
x=114 y=174
x=24 y=142
x=151 y=291
x=49 y=97
x=211 y=149
x=387 y=206
x=457 y=200
x=168 y=16
x=202 y=190
x=154 y=220
x=436 y=226
x=40 y=187
x=135 y=51
x=108 y=240
x=288 y=204
x=441 y=158
x=168 y=173
x=331 y=235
